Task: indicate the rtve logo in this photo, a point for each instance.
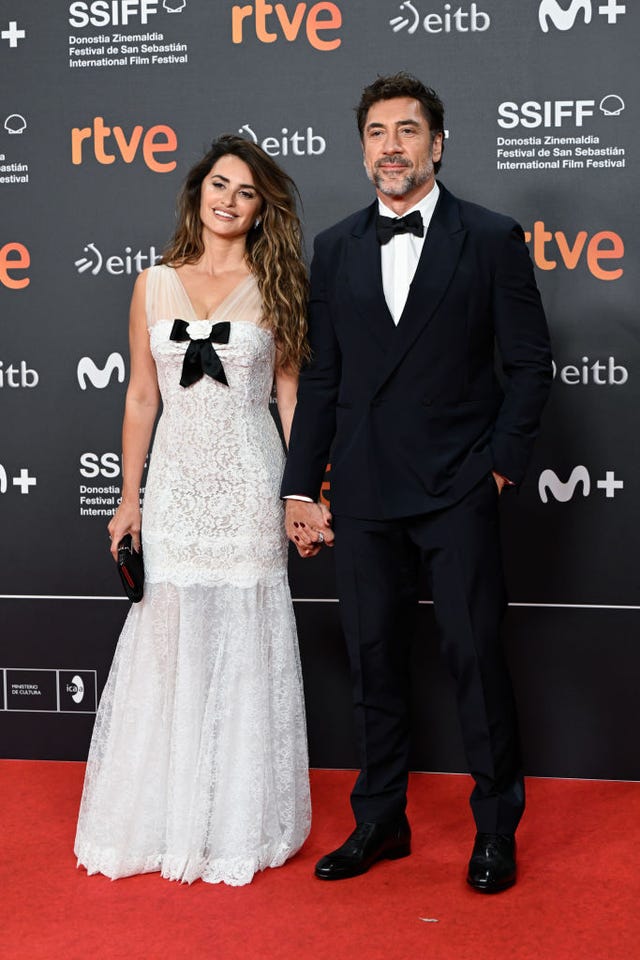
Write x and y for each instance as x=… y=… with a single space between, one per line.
x=14 y=257
x=596 y=251
x=100 y=377
x=564 y=16
x=550 y=483
x=158 y=139
x=322 y=17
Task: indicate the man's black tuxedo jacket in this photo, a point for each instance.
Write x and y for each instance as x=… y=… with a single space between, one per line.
x=413 y=416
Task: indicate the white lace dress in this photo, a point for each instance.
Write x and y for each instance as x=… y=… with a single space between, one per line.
x=198 y=762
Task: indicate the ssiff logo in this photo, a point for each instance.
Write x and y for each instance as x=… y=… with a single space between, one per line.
x=563 y=17
x=554 y=113
x=15 y=124
x=273 y=22
x=105 y=13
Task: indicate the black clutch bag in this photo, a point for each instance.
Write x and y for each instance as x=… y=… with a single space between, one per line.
x=131 y=569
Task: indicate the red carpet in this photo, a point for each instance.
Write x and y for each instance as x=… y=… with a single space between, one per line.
x=578 y=895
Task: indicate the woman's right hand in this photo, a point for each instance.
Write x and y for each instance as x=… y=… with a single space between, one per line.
x=126 y=519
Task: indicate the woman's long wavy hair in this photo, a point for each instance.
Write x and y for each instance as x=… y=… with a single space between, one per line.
x=273 y=248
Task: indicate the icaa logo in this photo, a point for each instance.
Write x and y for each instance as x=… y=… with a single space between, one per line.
x=76 y=688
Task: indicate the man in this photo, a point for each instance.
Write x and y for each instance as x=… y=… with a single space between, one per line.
x=409 y=298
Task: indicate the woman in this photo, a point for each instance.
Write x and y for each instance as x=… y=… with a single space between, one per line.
x=198 y=763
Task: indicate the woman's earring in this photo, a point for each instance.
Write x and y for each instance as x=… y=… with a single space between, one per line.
x=257 y=222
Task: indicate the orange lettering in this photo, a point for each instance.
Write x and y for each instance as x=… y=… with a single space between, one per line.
x=325 y=487
x=78 y=134
x=320 y=17
x=262 y=11
x=128 y=150
x=315 y=23
x=540 y=237
x=238 y=14
x=100 y=134
x=151 y=146
x=10 y=263
x=570 y=255
x=290 y=28
x=605 y=245
x=595 y=253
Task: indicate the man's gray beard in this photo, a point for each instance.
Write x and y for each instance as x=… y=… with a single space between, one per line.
x=398 y=188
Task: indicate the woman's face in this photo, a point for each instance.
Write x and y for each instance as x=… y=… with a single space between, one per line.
x=229 y=201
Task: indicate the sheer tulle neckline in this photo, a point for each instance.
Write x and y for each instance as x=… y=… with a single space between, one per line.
x=229 y=298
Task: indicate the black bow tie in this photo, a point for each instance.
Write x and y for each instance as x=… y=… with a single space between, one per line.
x=201 y=357
x=387 y=227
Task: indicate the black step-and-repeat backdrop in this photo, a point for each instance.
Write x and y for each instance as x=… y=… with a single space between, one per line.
x=104 y=105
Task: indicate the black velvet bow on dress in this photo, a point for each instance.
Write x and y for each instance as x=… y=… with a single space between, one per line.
x=201 y=356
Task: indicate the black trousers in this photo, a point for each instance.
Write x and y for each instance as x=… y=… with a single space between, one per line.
x=377 y=565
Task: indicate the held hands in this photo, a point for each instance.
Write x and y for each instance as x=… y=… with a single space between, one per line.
x=308 y=526
x=126 y=519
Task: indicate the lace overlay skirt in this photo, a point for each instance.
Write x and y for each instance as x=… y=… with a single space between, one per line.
x=198 y=765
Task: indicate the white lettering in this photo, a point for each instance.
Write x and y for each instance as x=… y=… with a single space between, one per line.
x=549 y=482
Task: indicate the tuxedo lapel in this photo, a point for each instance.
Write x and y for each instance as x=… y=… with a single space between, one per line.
x=436 y=268
x=364 y=272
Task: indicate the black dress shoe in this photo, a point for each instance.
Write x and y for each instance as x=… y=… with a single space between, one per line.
x=492 y=867
x=368 y=843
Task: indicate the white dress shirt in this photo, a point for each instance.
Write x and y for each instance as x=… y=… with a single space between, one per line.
x=399 y=257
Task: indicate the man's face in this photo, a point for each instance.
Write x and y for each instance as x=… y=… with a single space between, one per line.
x=399 y=151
